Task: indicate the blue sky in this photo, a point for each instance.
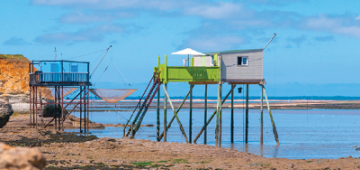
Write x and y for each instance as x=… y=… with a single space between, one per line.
x=315 y=51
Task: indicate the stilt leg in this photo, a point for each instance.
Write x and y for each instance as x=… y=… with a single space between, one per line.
x=190 y=115
x=247 y=115
x=158 y=117
x=271 y=117
x=205 y=114
x=165 y=114
x=80 y=109
x=220 y=117
x=232 y=116
x=261 y=117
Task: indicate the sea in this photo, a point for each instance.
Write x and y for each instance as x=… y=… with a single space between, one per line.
x=303 y=134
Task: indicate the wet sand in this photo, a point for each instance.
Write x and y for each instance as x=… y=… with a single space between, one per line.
x=70 y=151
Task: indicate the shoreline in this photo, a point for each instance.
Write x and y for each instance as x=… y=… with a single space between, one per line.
x=67 y=150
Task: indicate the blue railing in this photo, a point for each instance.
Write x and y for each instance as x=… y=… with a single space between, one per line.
x=36 y=78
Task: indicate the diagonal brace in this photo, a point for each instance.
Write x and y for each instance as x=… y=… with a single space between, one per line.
x=177 y=111
x=212 y=116
x=175 y=114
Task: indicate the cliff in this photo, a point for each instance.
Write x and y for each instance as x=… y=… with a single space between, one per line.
x=14 y=81
x=14 y=74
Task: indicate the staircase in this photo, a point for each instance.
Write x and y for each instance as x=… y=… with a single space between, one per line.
x=143 y=105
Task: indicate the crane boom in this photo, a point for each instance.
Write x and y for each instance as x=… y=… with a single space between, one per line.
x=270 y=41
x=100 y=61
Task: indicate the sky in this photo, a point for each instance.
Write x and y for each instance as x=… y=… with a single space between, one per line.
x=315 y=52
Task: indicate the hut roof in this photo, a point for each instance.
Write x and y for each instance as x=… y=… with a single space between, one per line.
x=235 y=51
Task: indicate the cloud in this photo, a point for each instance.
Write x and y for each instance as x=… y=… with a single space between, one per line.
x=83 y=18
x=324 y=38
x=15 y=41
x=341 y=24
x=215 y=11
x=214 y=43
x=96 y=33
x=298 y=40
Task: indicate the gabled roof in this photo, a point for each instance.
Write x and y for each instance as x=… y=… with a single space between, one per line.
x=236 y=51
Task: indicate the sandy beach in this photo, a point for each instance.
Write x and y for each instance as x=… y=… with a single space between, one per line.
x=65 y=150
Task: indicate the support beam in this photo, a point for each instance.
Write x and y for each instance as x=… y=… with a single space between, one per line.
x=165 y=114
x=175 y=114
x=190 y=114
x=232 y=117
x=205 y=115
x=157 y=117
x=271 y=117
x=211 y=117
x=261 y=117
x=247 y=115
x=177 y=111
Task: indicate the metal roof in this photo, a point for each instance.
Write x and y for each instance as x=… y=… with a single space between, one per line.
x=235 y=51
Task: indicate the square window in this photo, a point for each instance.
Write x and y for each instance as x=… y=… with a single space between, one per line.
x=242 y=61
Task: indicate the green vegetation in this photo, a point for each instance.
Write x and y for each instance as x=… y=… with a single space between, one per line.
x=11 y=56
x=142 y=164
x=178 y=161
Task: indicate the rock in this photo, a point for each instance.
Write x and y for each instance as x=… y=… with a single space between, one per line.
x=5 y=112
x=49 y=110
x=20 y=158
x=291 y=166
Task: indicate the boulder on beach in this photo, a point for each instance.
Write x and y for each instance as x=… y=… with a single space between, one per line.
x=5 y=112
x=49 y=110
x=21 y=158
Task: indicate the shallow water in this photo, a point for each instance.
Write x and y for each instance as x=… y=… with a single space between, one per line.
x=303 y=134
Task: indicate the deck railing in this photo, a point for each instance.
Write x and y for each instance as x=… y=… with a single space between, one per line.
x=36 y=78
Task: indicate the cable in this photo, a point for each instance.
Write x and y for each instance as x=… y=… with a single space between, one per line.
x=87 y=54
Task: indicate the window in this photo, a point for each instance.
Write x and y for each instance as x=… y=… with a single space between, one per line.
x=242 y=61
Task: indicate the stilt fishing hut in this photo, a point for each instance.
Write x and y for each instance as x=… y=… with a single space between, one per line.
x=59 y=75
x=234 y=67
x=65 y=77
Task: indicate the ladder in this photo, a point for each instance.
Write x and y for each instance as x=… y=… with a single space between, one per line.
x=142 y=106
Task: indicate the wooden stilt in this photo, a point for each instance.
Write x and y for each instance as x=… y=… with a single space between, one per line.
x=80 y=109
x=205 y=114
x=85 y=128
x=247 y=115
x=158 y=117
x=62 y=108
x=261 y=117
x=36 y=109
x=220 y=117
x=190 y=114
x=31 y=102
x=211 y=117
x=271 y=118
x=175 y=114
x=217 y=118
x=88 y=107
x=165 y=114
x=177 y=111
x=232 y=116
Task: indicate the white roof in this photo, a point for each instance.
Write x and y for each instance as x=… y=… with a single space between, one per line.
x=187 y=51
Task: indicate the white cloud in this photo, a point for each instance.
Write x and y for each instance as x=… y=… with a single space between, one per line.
x=216 y=11
x=338 y=25
x=357 y=18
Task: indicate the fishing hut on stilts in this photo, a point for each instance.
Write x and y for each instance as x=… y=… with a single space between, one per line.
x=62 y=78
x=236 y=67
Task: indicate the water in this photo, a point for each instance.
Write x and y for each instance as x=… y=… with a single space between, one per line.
x=303 y=134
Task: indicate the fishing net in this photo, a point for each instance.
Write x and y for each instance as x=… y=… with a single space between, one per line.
x=112 y=95
x=51 y=92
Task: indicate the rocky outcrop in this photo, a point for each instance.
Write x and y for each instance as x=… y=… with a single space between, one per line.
x=5 y=112
x=21 y=158
x=14 y=82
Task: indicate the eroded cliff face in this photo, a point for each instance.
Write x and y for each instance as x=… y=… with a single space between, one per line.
x=14 y=74
x=14 y=81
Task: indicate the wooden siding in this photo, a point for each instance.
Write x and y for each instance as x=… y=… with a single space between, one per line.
x=231 y=71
